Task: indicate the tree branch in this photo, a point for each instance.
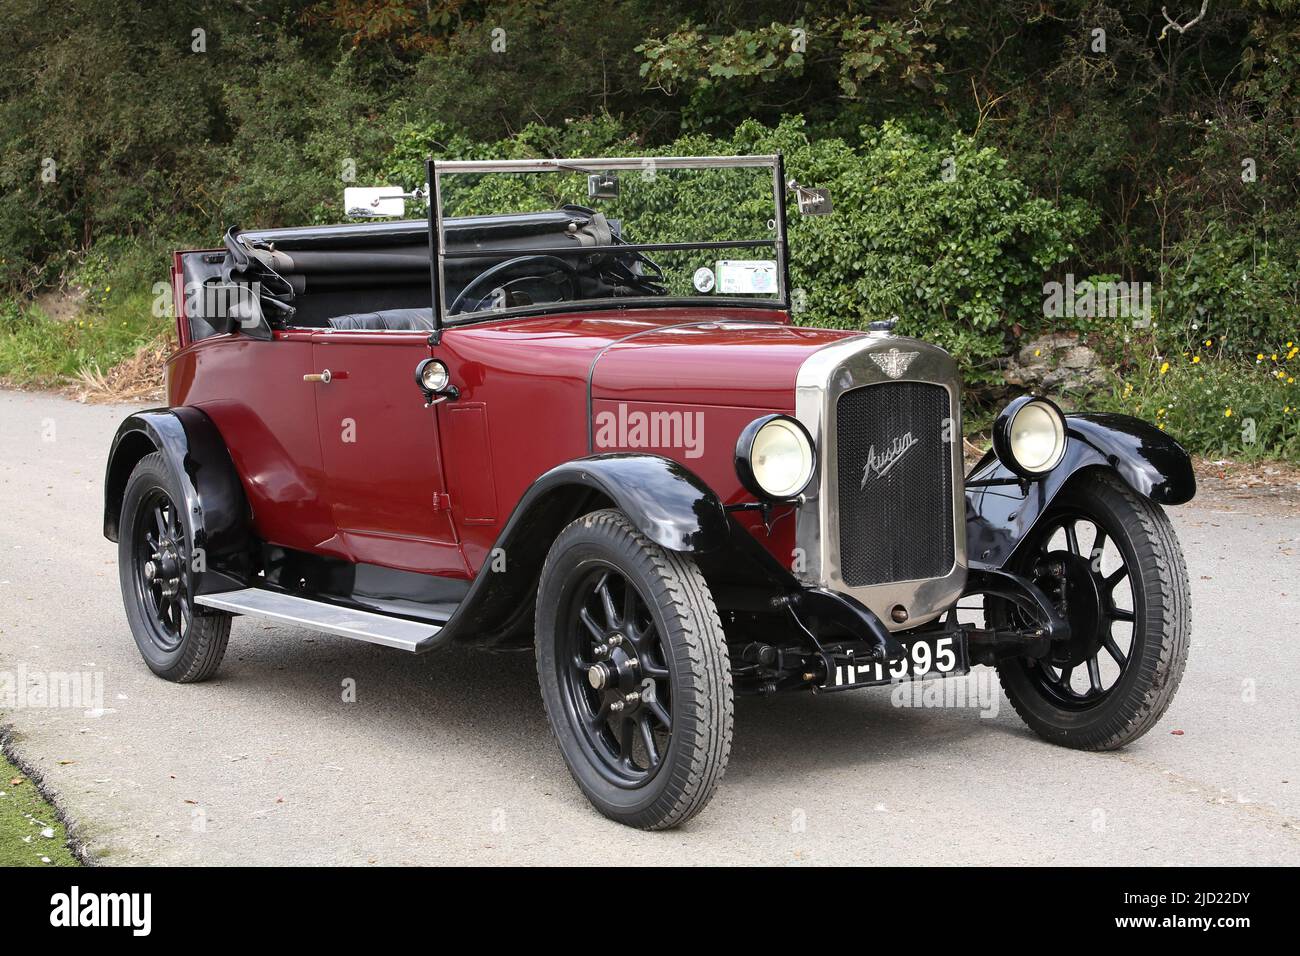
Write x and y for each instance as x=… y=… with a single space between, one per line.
x=1181 y=27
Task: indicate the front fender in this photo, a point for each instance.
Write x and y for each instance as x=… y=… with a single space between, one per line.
x=667 y=503
x=1000 y=516
x=215 y=510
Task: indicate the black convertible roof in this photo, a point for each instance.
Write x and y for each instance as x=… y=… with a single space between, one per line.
x=352 y=235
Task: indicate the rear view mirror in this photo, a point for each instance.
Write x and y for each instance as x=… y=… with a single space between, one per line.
x=602 y=186
x=374 y=202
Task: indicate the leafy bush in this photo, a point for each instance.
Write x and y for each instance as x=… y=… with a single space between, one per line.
x=1237 y=286
x=1219 y=406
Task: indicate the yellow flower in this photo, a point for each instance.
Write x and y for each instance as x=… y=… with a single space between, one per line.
x=1196 y=360
x=1290 y=380
x=1037 y=352
x=1227 y=413
x=1209 y=342
x=1159 y=412
x=1274 y=356
x=1161 y=426
x=1164 y=367
x=1259 y=357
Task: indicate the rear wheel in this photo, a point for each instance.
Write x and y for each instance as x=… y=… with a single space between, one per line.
x=1112 y=562
x=634 y=672
x=154 y=565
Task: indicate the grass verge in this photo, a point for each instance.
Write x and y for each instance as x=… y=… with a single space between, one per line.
x=31 y=833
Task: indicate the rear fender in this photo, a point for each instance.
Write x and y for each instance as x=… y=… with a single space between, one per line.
x=999 y=517
x=215 y=510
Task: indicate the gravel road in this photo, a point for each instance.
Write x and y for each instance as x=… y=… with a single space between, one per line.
x=447 y=758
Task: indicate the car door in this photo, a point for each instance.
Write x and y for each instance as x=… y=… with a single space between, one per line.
x=384 y=474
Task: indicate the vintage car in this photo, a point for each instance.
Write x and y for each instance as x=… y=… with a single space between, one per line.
x=548 y=415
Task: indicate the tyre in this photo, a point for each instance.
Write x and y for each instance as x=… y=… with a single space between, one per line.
x=153 y=559
x=634 y=672
x=1111 y=560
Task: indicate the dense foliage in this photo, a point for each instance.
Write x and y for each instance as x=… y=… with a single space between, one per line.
x=975 y=150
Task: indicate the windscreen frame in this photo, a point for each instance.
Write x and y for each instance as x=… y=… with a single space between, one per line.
x=439 y=254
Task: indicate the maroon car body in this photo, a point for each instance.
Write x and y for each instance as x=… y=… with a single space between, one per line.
x=431 y=492
x=670 y=497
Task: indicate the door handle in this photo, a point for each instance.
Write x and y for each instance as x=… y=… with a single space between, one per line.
x=323 y=377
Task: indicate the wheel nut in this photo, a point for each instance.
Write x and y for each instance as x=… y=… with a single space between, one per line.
x=597 y=676
x=615 y=640
x=150 y=570
x=632 y=698
x=616 y=706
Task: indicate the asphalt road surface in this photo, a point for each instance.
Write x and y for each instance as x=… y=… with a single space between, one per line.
x=447 y=758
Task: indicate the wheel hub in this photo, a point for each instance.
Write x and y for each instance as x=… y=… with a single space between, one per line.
x=1070 y=578
x=164 y=570
x=618 y=676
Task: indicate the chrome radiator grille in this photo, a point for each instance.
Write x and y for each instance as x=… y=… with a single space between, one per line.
x=895 y=491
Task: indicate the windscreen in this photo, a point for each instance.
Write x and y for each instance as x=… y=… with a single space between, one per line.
x=523 y=236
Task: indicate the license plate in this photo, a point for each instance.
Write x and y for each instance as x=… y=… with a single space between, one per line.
x=928 y=656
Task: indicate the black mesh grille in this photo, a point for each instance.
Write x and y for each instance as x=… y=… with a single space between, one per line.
x=896 y=523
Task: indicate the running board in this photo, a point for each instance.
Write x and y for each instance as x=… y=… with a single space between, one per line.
x=413 y=636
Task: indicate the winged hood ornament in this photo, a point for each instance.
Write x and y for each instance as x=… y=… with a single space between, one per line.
x=893 y=363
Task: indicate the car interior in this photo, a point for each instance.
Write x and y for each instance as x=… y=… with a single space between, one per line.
x=377 y=277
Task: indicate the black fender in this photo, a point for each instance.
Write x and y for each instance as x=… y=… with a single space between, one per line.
x=667 y=503
x=1000 y=515
x=216 y=514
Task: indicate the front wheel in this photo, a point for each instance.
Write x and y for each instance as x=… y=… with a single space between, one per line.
x=1111 y=560
x=634 y=672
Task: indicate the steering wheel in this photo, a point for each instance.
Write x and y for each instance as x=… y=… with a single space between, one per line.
x=515 y=265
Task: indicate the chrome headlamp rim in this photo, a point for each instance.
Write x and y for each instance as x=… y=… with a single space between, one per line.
x=745 y=457
x=432 y=375
x=1003 y=435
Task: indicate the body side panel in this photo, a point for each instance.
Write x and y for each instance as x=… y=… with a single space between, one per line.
x=253 y=392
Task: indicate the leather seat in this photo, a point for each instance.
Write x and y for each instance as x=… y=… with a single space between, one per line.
x=387 y=320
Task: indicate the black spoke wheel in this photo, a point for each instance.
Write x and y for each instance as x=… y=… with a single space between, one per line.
x=160 y=569
x=616 y=686
x=155 y=565
x=634 y=672
x=1110 y=561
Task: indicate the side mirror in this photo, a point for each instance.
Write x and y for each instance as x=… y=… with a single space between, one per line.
x=374 y=202
x=812 y=202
